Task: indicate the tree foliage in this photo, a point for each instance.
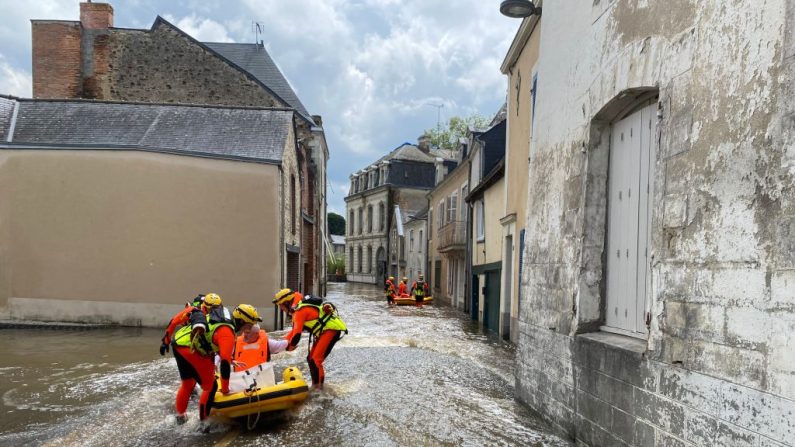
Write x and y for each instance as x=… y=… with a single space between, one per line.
x=446 y=136
x=336 y=224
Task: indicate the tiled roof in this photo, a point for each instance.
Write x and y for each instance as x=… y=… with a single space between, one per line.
x=254 y=59
x=241 y=133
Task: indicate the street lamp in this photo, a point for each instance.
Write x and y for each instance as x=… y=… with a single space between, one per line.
x=518 y=8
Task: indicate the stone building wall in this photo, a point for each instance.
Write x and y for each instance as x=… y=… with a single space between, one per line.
x=377 y=239
x=716 y=367
x=160 y=65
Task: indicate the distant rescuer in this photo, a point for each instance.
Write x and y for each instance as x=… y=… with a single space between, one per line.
x=324 y=325
x=403 y=288
x=389 y=291
x=419 y=289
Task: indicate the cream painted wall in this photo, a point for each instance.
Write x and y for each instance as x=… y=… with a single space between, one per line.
x=490 y=250
x=453 y=182
x=517 y=152
x=134 y=227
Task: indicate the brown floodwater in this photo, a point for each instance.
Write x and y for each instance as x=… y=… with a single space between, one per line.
x=402 y=377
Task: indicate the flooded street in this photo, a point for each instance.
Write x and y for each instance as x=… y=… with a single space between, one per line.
x=402 y=377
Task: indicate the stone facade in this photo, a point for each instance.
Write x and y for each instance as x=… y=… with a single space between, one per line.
x=714 y=365
x=162 y=65
x=401 y=178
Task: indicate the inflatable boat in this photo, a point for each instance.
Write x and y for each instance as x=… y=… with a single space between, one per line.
x=281 y=396
x=406 y=301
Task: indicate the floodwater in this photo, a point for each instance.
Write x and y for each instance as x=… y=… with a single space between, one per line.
x=402 y=377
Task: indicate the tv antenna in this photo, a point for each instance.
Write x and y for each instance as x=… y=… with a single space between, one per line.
x=257 y=27
x=438 y=114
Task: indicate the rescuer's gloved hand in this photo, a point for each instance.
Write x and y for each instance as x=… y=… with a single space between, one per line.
x=163 y=349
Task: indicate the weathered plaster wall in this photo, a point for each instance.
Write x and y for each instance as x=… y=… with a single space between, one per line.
x=717 y=367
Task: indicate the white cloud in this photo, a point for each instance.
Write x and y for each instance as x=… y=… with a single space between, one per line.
x=201 y=29
x=14 y=81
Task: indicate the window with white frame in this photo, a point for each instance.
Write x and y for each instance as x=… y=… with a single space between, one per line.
x=452 y=207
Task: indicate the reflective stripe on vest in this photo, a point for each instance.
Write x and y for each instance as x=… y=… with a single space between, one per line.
x=324 y=321
x=182 y=337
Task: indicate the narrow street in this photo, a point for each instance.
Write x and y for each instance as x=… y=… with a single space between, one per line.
x=403 y=376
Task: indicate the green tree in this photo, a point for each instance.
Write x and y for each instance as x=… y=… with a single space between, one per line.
x=447 y=135
x=336 y=224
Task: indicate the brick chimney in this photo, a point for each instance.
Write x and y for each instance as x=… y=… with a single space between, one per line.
x=57 y=59
x=96 y=15
x=424 y=143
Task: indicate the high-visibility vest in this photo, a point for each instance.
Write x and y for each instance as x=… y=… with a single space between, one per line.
x=323 y=322
x=419 y=289
x=182 y=336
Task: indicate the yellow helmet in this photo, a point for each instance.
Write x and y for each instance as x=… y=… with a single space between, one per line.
x=283 y=296
x=247 y=313
x=405 y=278
x=391 y=278
x=212 y=299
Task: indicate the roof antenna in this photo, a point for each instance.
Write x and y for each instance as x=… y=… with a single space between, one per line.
x=257 y=32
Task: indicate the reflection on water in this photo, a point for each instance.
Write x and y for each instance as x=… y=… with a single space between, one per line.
x=403 y=376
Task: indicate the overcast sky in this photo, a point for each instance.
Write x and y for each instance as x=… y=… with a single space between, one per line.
x=372 y=68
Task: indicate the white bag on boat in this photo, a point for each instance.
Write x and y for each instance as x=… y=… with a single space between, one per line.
x=260 y=376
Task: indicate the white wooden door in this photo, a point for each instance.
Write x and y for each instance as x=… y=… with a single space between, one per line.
x=630 y=178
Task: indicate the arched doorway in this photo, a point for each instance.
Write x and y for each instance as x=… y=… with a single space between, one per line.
x=380 y=262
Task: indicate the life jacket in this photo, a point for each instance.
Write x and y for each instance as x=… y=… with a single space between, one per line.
x=419 y=289
x=252 y=354
x=325 y=320
x=389 y=288
x=204 y=345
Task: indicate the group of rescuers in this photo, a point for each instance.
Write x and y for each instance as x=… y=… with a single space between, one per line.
x=205 y=329
x=419 y=290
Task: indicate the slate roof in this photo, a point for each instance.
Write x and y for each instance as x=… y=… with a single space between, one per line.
x=254 y=59
x=251 y=134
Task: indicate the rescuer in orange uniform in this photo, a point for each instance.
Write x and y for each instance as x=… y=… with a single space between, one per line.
x=180 y=319
x=323 y=324
x=389 y=291
x=253 y=346
x=403 y=288
x=211 y=331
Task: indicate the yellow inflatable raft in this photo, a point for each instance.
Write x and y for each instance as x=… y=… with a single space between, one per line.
x=406 y=301
x=282 y=396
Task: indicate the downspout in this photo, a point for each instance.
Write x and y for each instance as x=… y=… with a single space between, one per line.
x=280 y=209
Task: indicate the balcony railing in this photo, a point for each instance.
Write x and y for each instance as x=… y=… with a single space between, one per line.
x=452 y=236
